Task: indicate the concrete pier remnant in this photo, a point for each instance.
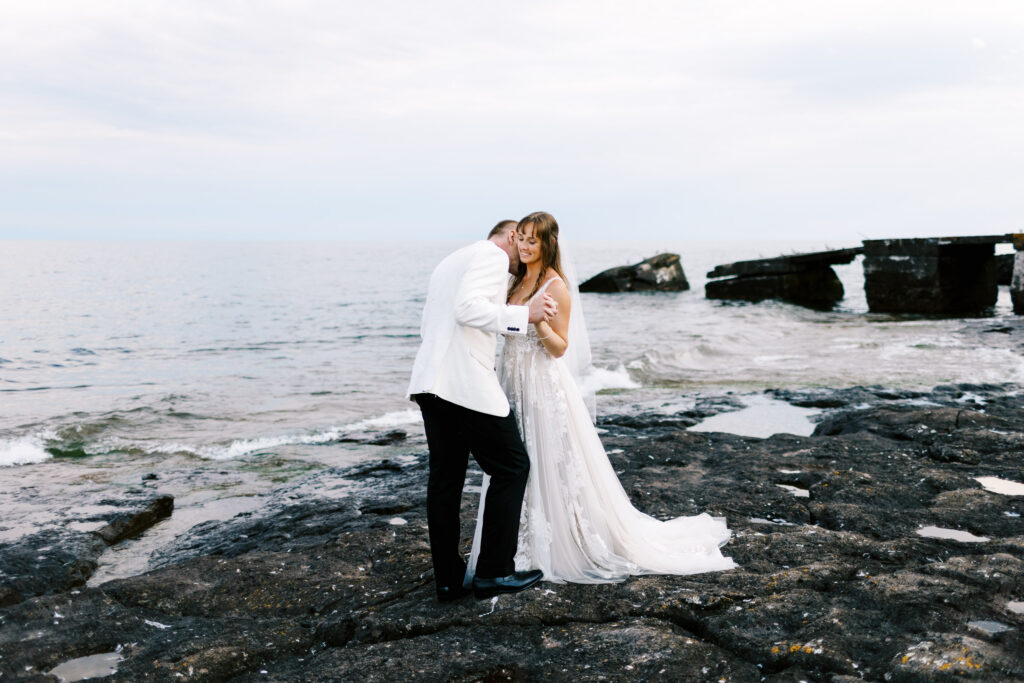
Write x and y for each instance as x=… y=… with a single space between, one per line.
x=805 y=279
x=931 y=275
x=1004 y=268
x=1017 y=280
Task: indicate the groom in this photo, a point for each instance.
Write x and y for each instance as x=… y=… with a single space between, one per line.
x=465 y=411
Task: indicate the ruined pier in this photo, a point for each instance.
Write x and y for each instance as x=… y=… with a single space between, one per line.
x=931 y=275
x=1017 y=280
x=806 y=279
x=935 y=275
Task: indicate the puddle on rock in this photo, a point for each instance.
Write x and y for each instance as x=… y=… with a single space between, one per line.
x=1004 y=486
x=762 y=417
x=131 y=557
x=93 y=666
x=989 y=628
x=795 y=490
x=951 y=534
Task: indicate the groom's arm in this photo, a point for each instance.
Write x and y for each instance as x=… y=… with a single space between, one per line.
x=474 y=300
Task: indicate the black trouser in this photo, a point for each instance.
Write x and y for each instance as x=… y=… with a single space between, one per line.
x=453 y=432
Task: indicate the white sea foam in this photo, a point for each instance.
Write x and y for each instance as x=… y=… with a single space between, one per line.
x=599 y=379
x=243 y=447
x=24 y=450
x=396 y=419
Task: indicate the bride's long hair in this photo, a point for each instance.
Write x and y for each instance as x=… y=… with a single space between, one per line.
x=545 y=229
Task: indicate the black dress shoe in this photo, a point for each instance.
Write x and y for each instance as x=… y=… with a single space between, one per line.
x=452 y=593
x=513 y=583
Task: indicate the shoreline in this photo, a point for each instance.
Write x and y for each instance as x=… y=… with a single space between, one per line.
x=330 y=578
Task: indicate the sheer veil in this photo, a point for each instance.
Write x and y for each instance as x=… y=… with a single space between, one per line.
x=577 y=355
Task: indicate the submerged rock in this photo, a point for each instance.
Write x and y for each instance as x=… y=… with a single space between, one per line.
x=661 y=273
x=834 y=586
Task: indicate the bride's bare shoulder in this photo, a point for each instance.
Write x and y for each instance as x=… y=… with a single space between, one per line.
x=556 y=283
x=558 y=291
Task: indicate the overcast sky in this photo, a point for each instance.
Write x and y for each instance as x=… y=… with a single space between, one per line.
x=401 y=119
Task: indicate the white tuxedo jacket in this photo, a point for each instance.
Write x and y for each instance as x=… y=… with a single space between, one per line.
x=464 y=312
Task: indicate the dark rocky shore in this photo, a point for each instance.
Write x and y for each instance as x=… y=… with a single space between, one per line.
x=835 y=582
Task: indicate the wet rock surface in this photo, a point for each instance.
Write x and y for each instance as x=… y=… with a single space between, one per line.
x=61 y=558
x=835 y=583
x=660 y=273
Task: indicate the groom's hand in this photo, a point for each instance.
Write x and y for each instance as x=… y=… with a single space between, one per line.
x=542 y=308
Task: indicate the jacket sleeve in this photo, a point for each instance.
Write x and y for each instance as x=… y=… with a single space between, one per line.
x=475 y=299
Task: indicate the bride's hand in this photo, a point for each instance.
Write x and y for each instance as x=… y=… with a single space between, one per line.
x=542 y=308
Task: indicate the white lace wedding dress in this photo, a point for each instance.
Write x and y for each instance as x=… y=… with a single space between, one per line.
x=577 y=522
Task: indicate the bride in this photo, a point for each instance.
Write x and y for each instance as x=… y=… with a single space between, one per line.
x=577 y=522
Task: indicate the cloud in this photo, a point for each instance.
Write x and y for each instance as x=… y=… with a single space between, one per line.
x=882 y=64
x=727 y=116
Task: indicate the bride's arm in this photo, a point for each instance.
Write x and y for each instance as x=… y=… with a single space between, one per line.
x=554 y=334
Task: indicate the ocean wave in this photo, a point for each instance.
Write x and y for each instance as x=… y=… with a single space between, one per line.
x=387 y=421
x=601 y=379
x=24 y=450
x=84 y=439
x=243 y=447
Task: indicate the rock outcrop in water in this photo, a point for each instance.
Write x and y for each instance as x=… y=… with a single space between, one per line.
x=836 y=582
x=661 y=273
x=805 y=279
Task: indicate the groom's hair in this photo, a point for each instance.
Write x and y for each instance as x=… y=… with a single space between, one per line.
x=501 y=227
